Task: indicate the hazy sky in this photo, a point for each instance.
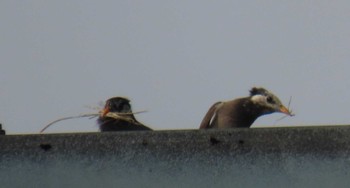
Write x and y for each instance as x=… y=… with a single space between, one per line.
x=172 y=58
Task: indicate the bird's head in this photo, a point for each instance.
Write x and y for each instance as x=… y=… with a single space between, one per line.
x=118 y=105
x=268 y=101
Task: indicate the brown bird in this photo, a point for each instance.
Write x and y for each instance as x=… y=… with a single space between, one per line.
x=242 y=112
x=122 y=107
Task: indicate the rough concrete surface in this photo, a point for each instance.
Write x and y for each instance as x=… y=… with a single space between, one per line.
x=257 y=157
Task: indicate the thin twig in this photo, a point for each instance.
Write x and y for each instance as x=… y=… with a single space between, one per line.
x=66 y=118
x=290 y=100
x=279 y=119
x=290 y=114
x=290 y=110
x=93 y=107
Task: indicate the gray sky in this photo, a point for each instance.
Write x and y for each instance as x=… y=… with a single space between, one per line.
x=172 y=58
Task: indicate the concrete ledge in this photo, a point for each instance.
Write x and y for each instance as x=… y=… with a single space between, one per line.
x=260 y=157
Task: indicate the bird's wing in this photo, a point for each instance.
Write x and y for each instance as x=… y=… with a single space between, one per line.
x=138 y=125
x=210 y=116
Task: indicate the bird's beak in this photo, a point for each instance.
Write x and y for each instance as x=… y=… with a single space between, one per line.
x=285 y=110
x=104 y=112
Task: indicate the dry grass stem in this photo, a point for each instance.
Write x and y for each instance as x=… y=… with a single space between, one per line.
x=119 y=116
x=290 y=114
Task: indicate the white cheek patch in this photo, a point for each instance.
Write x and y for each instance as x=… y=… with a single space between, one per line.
x=258 y=99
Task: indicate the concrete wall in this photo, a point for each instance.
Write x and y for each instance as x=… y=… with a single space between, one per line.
x=260 y=157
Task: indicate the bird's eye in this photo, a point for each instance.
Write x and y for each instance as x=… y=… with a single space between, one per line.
x=269 y=99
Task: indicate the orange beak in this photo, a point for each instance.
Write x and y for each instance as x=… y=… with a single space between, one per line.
x=104 y=112
x=285 y=110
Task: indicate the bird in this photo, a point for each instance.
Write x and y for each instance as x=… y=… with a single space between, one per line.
x=242 y=112
x=2 y=131
x=122 y=107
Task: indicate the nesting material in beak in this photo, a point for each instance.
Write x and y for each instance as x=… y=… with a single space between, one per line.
x=104 y=112
x=285 y=110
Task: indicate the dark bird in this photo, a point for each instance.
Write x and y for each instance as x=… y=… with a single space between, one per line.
x=2 y=131
x=122 y=107
x=242 y=112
